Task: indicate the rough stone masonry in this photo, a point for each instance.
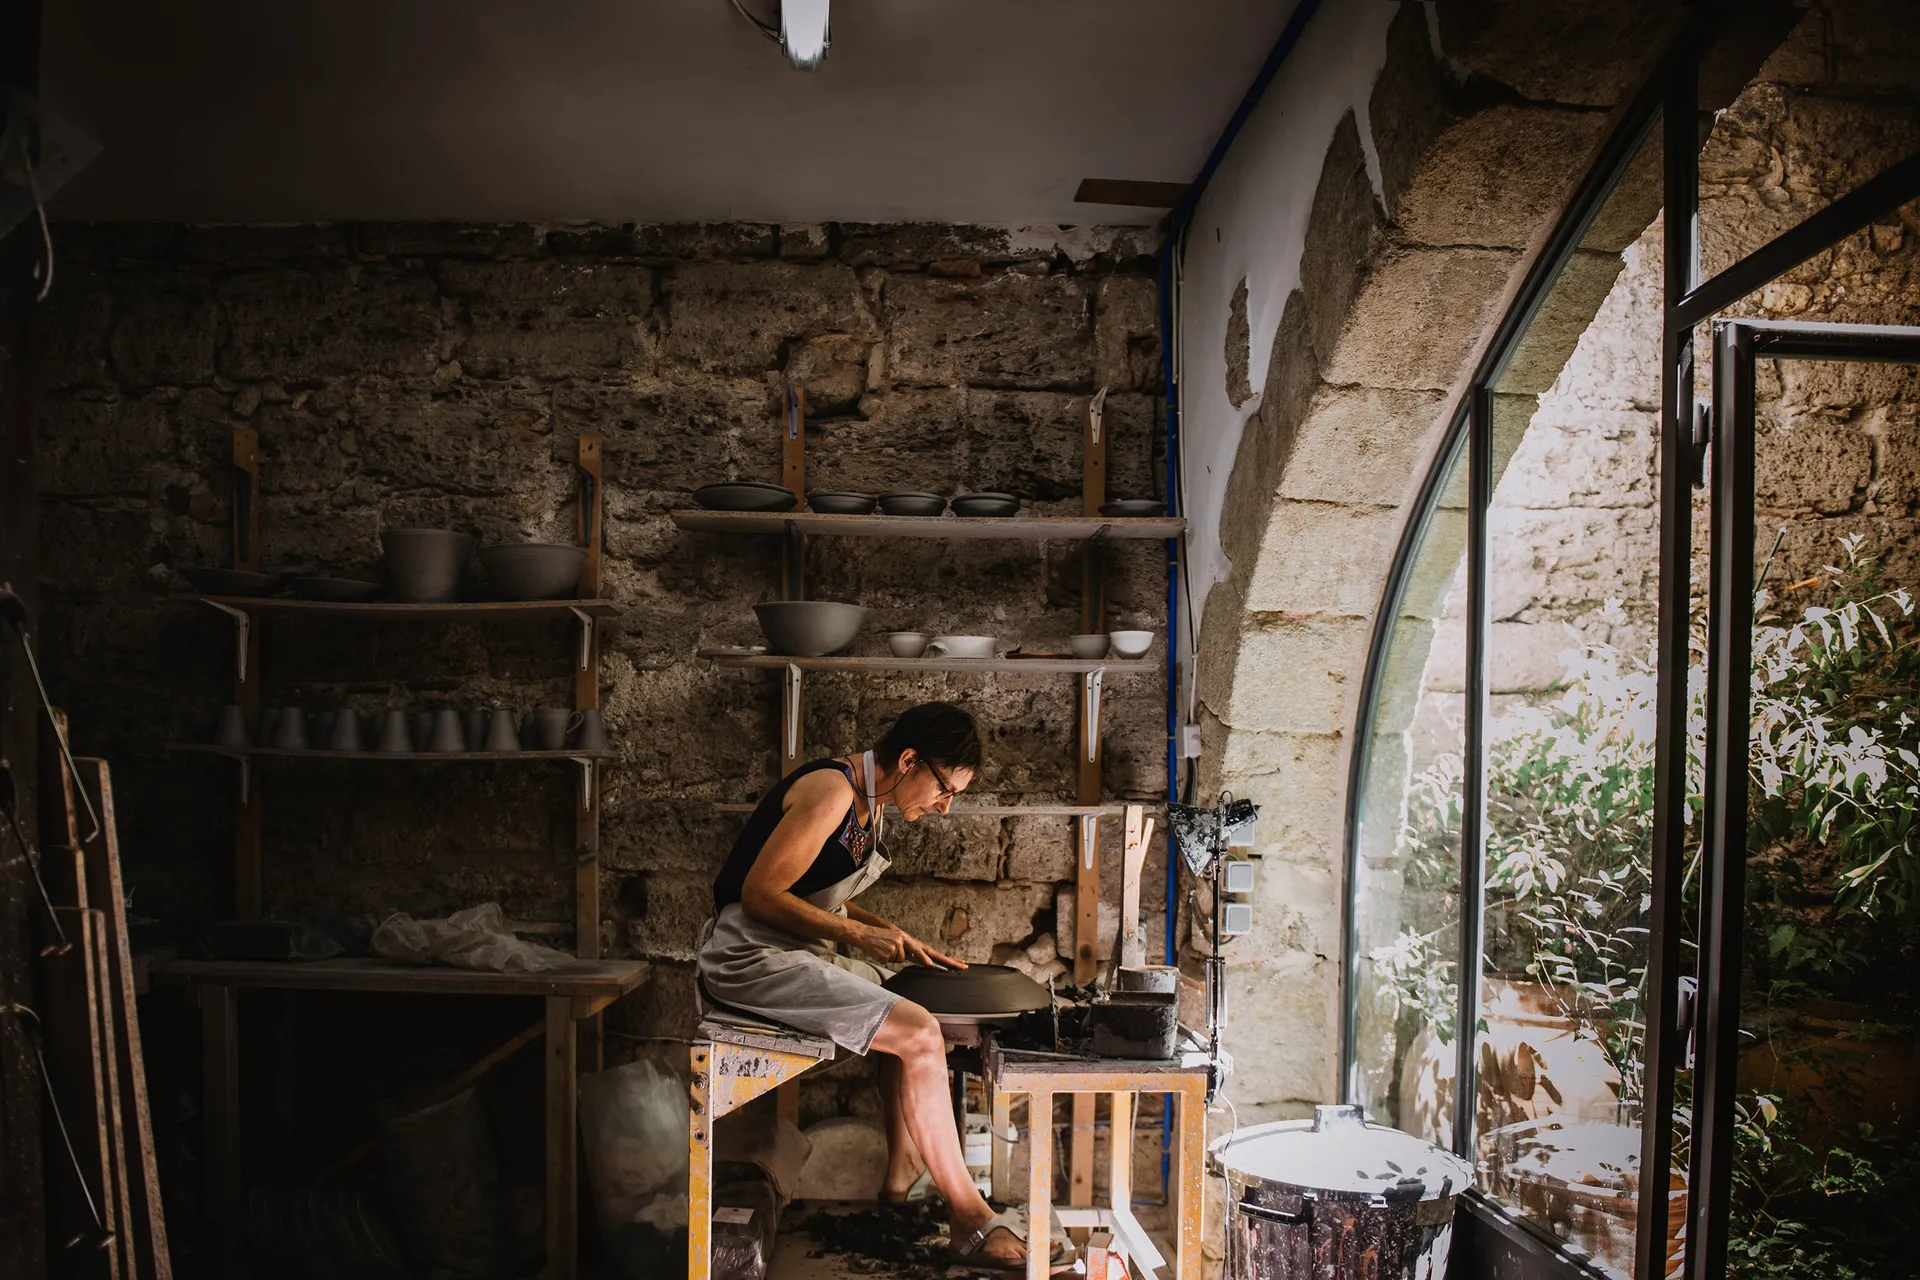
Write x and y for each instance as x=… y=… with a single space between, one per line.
x=440 y=375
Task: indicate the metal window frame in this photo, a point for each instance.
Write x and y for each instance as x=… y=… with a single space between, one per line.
x=1737 y=346
x=1670 y=95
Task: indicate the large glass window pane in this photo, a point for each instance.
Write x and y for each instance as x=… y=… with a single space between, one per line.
x=1573 y=603
x=1827 y=1137
x=1407 y=908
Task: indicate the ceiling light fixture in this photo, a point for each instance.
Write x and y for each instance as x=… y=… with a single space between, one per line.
x=804 y=33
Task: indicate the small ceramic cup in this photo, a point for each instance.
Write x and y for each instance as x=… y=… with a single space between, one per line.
x=290 y=730
x=551 y=726
x=422 y=724
x=907 y=644
x=1131 y=644
x=345 y=732
x=476 y=728
x=503 y=734
x=394 y=738
x=593 y=731
x=269 y=721
x=1087 y=648
x=231 y=728
x=447 y=738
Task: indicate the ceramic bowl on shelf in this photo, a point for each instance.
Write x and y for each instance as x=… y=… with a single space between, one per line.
x=1131 y=508
x=809 y=628
x=335 y=590
x=838 y=503
x=986 y=504
x=1131 y=644
x=745 y=495
x=907 y=644
x=1088 y=647
x=960 y=647
x=232 y=582
x=424 y=565
x=534 y=570
x=909 y=503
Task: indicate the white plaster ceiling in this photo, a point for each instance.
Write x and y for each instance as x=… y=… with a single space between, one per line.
x=987 y=111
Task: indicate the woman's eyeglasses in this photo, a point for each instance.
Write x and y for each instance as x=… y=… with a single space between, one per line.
x=946 y=791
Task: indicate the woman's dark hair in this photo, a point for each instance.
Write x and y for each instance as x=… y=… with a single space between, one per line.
x=937 y=731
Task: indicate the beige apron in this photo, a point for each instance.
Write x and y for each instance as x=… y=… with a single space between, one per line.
x=802 y=982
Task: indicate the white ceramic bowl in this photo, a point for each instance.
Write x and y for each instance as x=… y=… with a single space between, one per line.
x=1087 y=648
x=808 y=628
x=907 y=644
x=961 y=647
x=1131 y=644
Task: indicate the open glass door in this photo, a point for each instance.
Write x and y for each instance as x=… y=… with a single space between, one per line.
x=1806 y=1137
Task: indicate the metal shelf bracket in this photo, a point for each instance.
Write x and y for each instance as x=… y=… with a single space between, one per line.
x=586 y=636
x=791 y=683
x=586 y=780
x=246 y=780
x=242 y=628
x=1090 y=707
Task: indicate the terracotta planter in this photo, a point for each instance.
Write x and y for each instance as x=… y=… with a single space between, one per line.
x=1834 y=1065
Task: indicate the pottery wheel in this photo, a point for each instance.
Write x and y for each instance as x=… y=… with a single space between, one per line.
x=977 y=991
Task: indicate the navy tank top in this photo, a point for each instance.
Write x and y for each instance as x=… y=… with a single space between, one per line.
x=844 y=853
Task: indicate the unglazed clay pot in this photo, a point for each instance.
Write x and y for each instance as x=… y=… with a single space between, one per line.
x=424 y=565
x=534 y=570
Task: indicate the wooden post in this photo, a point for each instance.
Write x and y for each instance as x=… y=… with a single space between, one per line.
x=220 y=1088
x=248 y=895
x=1190 y=1172
x=1039 y=1184
x=1120 y=1149
x=1139 y=835
x=563 y=1067
x=1087 y=759
x=78 y=1062
x=700 y=1164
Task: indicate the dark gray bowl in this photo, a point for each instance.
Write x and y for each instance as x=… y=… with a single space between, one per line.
x=986 y=504
x=837 y=503
x=1125 y=508
x=534 y=570
x=745 y=495
x=232 y=582
x=336 y=590
x=908 y=503
x=424 y=565
x=991 y=990
x=809 y=628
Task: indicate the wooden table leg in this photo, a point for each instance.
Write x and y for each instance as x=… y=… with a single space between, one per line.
x=700 y=1164
x=1120 y=1151
x=220 y=1085
x=563 y=1067
x=1040 y=1184
x=1190 y=1174
x=1002 y=1112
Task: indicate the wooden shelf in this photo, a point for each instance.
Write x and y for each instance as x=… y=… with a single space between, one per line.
x=1035 y=666
x=960 y=528
x=457 y=611
x=592 y=979
x=994 y=810
x=313 y=753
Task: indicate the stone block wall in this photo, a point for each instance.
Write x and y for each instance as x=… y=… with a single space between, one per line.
x=415 y=374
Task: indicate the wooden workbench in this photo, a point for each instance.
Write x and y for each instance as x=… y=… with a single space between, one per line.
x=575 y=992
x=1041 y=1077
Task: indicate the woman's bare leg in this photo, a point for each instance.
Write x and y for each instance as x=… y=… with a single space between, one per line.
x=903 y=1158
x=911 y=1036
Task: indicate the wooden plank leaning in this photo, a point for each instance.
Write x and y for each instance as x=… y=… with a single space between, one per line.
x=149 y=1257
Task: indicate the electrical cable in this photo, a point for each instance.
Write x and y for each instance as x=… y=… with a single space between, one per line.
x=46 y=235
x=17 y=616
x=60 y=1123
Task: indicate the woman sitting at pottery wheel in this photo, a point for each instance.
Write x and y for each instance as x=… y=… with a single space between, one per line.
x=786 y=943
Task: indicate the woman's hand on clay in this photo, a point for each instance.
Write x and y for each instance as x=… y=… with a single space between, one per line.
x=892 y=943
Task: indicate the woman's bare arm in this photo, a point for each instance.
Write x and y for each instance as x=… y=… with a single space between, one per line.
x=816 y=807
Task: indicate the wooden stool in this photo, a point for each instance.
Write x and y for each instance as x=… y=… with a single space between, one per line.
x=735 y=1060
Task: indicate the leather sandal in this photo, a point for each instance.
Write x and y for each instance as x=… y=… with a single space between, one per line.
x=922 y=1189
x=971 y=1252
